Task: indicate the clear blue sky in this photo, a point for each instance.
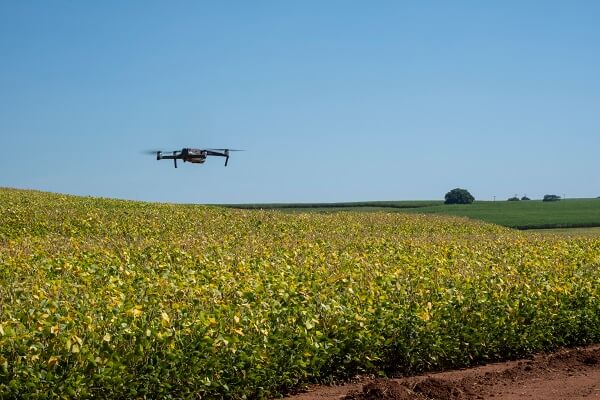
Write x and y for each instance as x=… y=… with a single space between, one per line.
x=333 y=100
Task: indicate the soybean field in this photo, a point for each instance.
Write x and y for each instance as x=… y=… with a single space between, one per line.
x=103 y=298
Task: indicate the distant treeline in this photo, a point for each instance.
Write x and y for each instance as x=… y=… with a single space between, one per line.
x=377 y=204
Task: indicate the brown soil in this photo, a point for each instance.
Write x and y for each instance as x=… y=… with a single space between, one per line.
x=565 y=374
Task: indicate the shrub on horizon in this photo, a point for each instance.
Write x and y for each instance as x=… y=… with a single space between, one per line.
x=551 y=197
x=459 y=196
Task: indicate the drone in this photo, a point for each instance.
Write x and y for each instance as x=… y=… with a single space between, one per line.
x=196 y=156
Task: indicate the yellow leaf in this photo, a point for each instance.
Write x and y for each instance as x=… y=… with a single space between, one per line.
x=424 y=315
x=165 y=318
x=52 y=361
x=136 y=311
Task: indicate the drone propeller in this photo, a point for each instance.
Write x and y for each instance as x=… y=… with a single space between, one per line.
x=226 y=149
x=153 y=152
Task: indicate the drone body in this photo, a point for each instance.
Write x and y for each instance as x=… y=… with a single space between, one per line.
x=196 y=156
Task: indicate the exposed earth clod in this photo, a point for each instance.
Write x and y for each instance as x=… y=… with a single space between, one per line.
x=565 y=374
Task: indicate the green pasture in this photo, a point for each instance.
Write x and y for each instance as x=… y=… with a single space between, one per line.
x=533 y=214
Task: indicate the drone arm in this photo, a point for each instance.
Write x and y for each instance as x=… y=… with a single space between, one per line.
x=215 y=153
x=174 y=157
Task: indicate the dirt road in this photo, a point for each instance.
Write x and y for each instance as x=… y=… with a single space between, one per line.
x=565 y=374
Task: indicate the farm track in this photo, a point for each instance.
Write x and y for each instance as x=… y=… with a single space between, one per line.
x=565 y=374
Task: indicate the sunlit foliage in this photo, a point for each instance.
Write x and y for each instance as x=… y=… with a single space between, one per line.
x=105 y=298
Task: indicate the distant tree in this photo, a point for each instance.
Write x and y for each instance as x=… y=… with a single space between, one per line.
x=459 y=196
x=515 y=198
x=551 y=197
x=525 y=198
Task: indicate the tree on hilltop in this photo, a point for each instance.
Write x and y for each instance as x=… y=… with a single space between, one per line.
x=459 y=196
x=551 y=197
